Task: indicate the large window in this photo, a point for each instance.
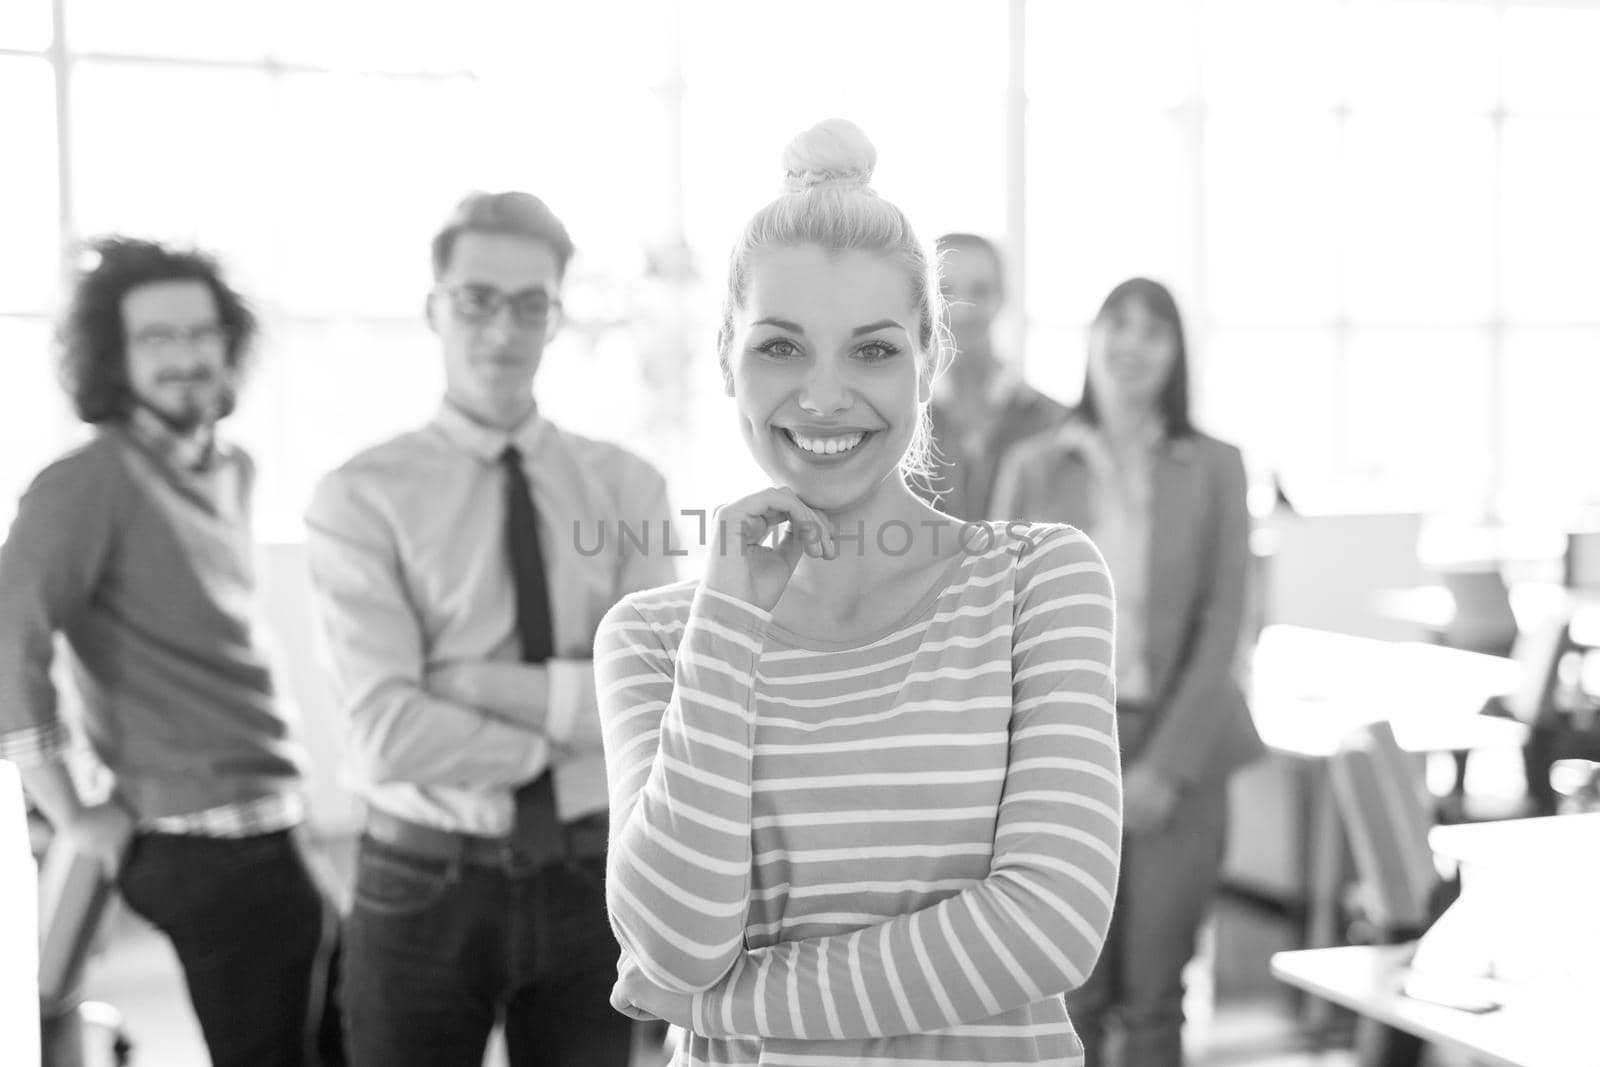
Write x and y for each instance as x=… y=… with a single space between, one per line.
x=33 y=418
x=1378 y=216
x=311 y=154
x=1373 y=214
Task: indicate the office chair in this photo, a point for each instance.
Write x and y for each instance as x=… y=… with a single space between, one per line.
x=1539 y=653
x=1386 y=810
x=1482 y=620
x=1383 y=802
x=74 y=897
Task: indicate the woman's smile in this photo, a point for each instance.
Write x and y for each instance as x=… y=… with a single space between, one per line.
x=817 y=447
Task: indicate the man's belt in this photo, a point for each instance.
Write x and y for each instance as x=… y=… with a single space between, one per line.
x=585 y=838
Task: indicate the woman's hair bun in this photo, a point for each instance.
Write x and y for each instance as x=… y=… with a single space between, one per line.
x=834 y=150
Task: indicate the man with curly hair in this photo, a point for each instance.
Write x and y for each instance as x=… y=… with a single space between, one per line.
x=136 y=549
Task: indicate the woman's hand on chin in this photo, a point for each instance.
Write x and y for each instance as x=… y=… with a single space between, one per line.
x=743 y=566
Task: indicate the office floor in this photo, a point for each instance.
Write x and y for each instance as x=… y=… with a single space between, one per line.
x=1239 y=1018
x=1238 y=1015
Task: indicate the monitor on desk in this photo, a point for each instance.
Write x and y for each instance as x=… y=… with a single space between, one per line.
x=1583 y=561
x=1325 y=571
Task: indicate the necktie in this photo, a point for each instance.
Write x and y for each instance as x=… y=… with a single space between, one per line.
x=527 y=562
x=537 y=836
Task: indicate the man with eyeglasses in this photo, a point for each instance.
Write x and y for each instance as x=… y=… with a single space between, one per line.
x=136 y=548
x=459 y=614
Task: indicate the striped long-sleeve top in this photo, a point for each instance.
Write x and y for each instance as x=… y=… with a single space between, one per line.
x=898 y=850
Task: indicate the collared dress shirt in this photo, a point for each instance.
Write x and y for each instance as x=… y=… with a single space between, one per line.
x=1120 y=498
x=408 y=560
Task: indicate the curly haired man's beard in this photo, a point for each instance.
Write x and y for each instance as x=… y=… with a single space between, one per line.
x=193 y=414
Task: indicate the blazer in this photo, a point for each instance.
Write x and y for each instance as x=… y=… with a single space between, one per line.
x=1201 y=729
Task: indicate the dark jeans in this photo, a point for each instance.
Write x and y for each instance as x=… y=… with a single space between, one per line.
x=436 y=950
x=1166 y=884
x=255 y=937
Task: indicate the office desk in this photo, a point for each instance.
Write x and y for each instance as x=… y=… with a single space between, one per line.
x=1431 y=608
x=1569 y=843
x=1527 y=911
x=1308 y=690
x=1525 y=916
x=1534 y=1027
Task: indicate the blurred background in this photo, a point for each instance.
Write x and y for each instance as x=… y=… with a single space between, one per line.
x=1378 y=215
x=1380 y=218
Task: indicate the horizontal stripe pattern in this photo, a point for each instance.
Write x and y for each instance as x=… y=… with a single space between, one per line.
x=35 y=746
x=247 y=818
x=901 y=852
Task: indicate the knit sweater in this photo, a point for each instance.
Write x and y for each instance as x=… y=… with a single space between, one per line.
x=148 y=573
x=899 y=850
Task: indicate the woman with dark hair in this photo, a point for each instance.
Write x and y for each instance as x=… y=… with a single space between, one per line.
x=1166 y=505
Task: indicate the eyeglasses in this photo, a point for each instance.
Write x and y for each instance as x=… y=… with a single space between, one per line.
x=168 y=338
x=530 y=308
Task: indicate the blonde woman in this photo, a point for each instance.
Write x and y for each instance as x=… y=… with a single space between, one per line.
x=865 y=796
